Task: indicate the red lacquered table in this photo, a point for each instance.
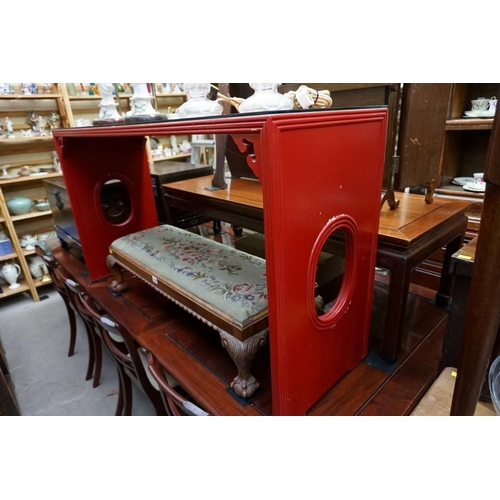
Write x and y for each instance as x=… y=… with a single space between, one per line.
x=324 y=166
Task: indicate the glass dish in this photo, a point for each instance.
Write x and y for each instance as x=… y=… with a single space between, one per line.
x=494 y=383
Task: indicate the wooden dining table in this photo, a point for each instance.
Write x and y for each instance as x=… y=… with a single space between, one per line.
x=407 y=236
x=190 y=351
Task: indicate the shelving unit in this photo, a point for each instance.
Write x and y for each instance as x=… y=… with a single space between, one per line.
x=465 y=147
x=36 y=152
x=460 y=149
x=86 y=107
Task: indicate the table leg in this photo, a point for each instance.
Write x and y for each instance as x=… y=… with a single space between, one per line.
x=398 y=295
x=446 y=280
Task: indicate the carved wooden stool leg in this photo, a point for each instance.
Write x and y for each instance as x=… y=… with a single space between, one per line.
x=243 y=353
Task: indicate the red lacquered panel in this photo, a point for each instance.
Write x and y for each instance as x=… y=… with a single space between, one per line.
x=87 y=164
x=316 y=176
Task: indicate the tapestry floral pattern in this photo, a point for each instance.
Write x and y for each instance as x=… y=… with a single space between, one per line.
x=227 y=278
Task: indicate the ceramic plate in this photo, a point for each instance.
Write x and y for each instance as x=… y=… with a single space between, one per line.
x=471 y=186
x=478 y=114
x=9 y=177
x=461 y=181
x=471 y=114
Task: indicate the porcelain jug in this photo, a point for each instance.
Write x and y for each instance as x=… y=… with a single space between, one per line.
x=10 y=273
x=37 y=267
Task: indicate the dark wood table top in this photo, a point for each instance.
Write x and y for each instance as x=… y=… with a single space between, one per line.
x=201 y=366
x=401 y=227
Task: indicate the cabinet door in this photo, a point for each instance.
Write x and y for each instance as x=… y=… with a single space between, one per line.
x=422 y=132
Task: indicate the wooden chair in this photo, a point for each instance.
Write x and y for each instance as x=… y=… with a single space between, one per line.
x=75 y=292
x=130 y=361
x=177 y=402
x=63 y=292
x=58 y=277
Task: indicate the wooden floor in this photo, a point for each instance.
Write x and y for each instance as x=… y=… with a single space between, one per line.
x=437 y=400
x=372 y=387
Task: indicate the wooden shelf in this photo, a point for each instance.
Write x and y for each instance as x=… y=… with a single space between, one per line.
x=37 y=282
x=121 y=96
x=29 y=97
x=7 y=292
x=8 y=256
x=469 y=124
x=26 y=253
x=84 y=97
x=30 y=178
x=180 y=94
x=26 y=140
x=168 y=158
x=31 y=215
x=453 y=190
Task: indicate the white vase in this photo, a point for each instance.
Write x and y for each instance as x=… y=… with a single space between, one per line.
x=140 y=102
x=10 y=273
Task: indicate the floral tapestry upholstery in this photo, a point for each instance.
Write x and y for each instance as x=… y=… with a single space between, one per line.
x=232 y=281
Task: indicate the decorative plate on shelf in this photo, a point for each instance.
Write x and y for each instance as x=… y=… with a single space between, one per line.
x=461 y=181
x=475 y=187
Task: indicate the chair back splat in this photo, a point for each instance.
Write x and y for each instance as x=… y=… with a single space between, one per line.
x=176 y=404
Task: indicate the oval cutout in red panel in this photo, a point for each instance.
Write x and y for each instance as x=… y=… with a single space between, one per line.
x=335 y=272
x=115 y=201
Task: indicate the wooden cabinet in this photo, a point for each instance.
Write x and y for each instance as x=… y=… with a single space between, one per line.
x=465 y=146
x=437 y=144
x=35 y=150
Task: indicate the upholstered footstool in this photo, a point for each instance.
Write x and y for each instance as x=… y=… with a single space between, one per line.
x=224 y=287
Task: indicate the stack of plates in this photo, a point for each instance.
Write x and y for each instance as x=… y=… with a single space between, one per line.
x=475 y=187
x=462 y=181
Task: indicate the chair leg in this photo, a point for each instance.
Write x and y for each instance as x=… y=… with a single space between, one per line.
x=98 y=360
x=72 y=329
x=120 y=402
x=127 y=395
x=90 y=366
